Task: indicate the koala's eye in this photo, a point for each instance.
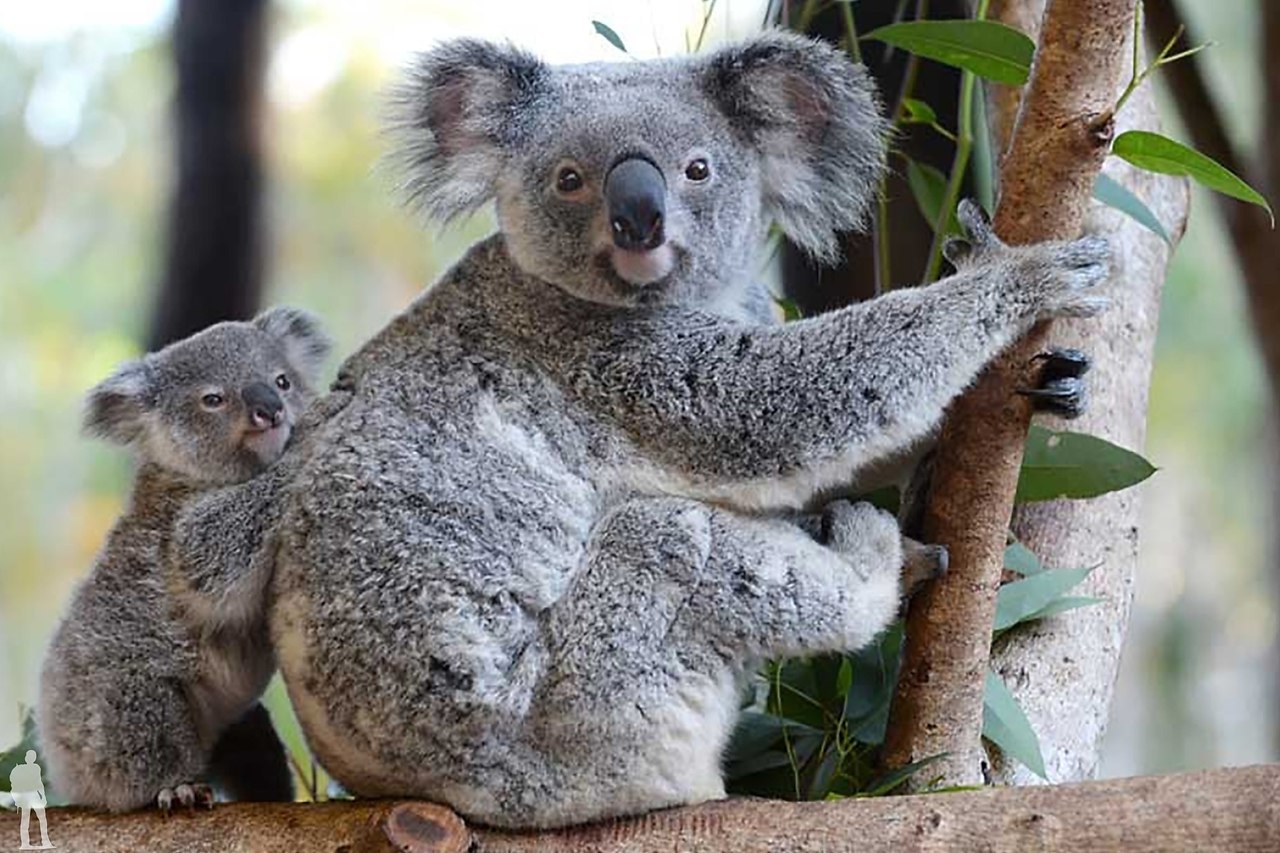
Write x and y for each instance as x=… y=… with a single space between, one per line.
x=283 y=383
x=568 y=180
x=212 y=401
x=697 y=170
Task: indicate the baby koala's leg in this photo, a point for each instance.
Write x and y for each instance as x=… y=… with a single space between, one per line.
x=124 y=745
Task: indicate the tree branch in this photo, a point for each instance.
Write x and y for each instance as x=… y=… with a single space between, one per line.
x=1232 y=810
x=1046 y=183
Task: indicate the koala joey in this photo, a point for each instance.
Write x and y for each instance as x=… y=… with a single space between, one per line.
x=150 y=686
x=544 y=525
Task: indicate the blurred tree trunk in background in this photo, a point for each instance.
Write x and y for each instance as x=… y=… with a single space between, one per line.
x=213 y=253
x=1256 y=244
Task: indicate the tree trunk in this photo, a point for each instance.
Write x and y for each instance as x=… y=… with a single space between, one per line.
x=1229 y=810
x=213 y=265
x=1063 y=670
x=1059 y=142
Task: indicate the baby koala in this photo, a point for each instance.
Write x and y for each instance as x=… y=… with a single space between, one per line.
x=149 y=688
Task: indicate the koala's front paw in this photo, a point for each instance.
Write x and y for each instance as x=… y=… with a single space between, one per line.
x=1044 y=280
x=189 y=795
x=867 y=537
x=921 y=563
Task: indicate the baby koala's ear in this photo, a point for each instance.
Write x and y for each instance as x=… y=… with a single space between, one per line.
x=814 y=119
x=306 y=345
x=116 y=408
x=460 y=111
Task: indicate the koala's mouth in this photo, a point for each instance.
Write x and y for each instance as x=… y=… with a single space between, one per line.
x=642 y=274
x=267 y=444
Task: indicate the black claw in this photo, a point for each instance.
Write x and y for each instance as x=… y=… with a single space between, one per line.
x=1061 y=362
x=943 y=558
x=1065 y=397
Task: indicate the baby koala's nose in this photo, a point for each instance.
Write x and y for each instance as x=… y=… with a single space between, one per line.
x=263 y=404
x=636 y=193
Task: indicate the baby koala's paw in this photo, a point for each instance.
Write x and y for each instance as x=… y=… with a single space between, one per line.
x=921 y=563
x=188 y=795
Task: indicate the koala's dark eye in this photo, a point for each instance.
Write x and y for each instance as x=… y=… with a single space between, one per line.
x=213 y=401
x=283 y=383
x=697 y=170
x=568 y=180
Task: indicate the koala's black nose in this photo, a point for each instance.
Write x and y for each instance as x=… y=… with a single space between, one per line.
x=636 y=194
x=263 y=404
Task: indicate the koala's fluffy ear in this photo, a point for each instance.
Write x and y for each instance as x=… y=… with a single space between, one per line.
x=815 y=119
x=305 y=344
x=459 y=109
x=116 y=408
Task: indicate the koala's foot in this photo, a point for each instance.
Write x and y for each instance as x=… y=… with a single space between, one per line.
x=188 y=795
x=1061 y=389
x=921 y=563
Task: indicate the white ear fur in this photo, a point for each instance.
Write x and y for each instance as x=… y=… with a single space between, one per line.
x=305 y=344
x=116 y=408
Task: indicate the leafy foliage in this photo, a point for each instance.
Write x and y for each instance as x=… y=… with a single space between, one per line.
x=988 y=49
x=1157 y=153
x=1115 y=194
x=1074 y=465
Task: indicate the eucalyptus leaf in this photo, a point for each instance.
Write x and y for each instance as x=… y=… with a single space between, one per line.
x=1019 y=558
x=1112 y=193
x=918 y=112
x=1157 y=153
x=1074 y=465
x=1005 y=725
x=1062 y=605
x=1021 y=600
x=888 y=782
x=609 y=35
x=987 y=48
x=929 y=188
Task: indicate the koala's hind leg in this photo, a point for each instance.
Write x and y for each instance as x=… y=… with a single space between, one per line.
x=249 y=761
x=128 y=744
x=646 y=652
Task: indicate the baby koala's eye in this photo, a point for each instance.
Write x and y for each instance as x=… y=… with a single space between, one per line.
x=568 y=180
x=697 y=170
x=283 y=383
x=212 y=401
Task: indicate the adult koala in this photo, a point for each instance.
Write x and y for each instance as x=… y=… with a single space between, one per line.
x=535 y=536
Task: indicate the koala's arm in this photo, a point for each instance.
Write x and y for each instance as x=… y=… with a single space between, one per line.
x=222 y=549
x=767 y=417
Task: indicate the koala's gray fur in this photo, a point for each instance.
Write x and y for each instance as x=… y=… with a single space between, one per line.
x=540 y=532
x=150 y=683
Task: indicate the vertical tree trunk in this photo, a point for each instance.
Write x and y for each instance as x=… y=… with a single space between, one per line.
x=212 y=267
x=1059 y=142
x=1063 y=670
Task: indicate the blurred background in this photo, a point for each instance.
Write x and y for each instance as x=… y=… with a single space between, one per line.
x=88 y=277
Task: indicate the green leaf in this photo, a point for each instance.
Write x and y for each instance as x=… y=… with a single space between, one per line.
x=986 y=48
x=1115 y=194
x=1019 y=558
x=929 y=187
x=1004 y=724
x=609 y=35
x=1021 y=600
x=918 y=112
x=1157 y=153
x=1074 y=465
x=790 y=310
x=1062 y=605
x=885 y=784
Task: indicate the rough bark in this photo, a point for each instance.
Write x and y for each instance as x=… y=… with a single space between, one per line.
x=1002 y=100
x=212 y=266
x=1063 y=670
x=1059 y=142
x=1236 y=810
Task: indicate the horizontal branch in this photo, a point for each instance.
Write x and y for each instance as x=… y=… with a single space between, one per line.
x=1236 y=810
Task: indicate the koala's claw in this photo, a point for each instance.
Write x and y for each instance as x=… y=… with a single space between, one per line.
x=921 y=563
x=1062 y=389
x=188 y=795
